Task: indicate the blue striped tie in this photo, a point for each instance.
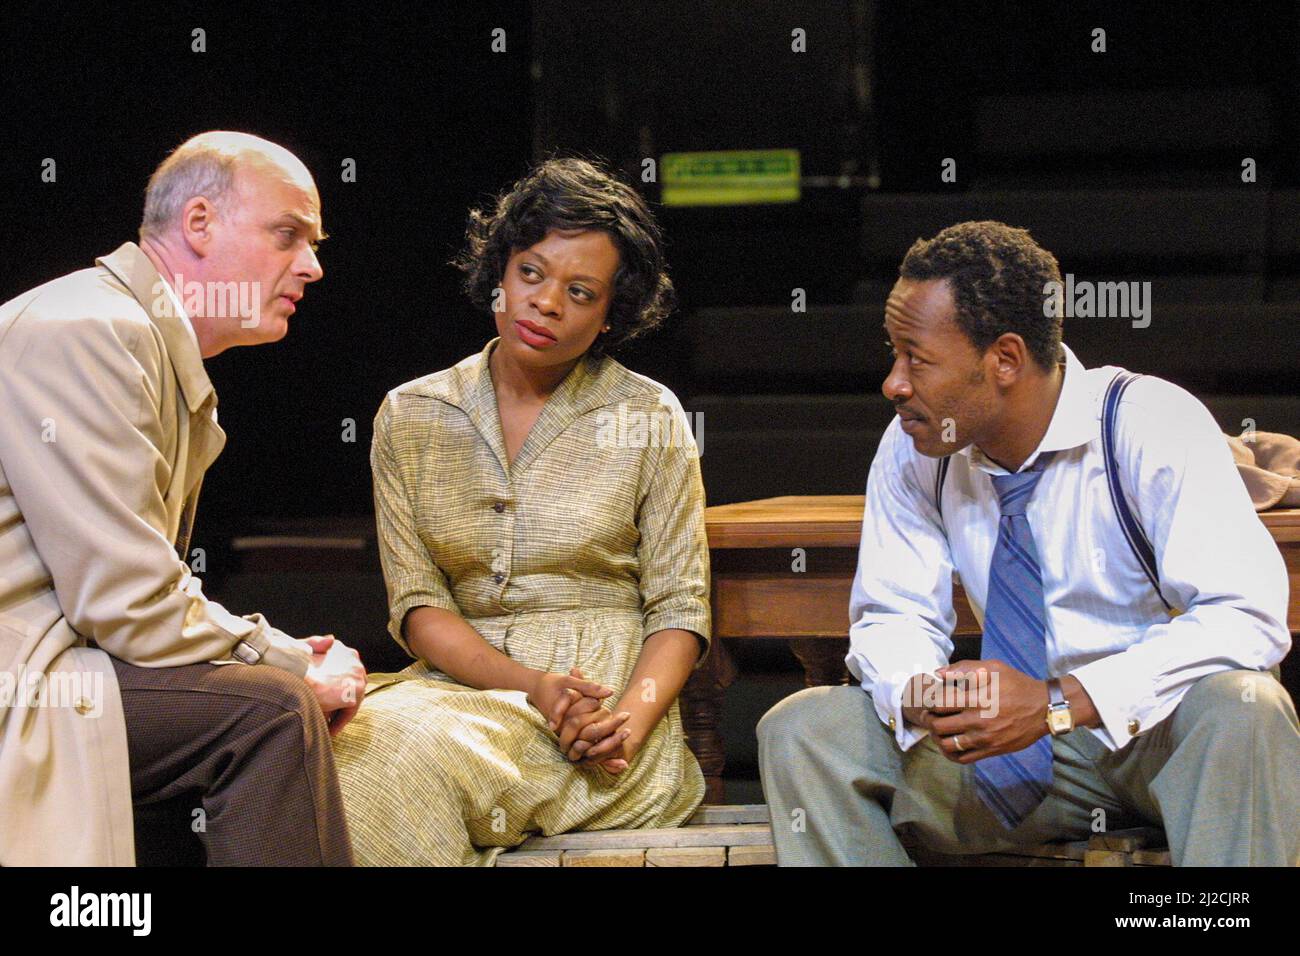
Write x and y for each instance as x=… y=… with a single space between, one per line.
x=1013 y=784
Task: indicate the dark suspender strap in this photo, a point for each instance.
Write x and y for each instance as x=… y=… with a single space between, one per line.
x=939 y=477
x=1128 y=523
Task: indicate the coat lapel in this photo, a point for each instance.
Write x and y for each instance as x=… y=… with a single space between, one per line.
x=138 y=274
x=204 y=437
x=206 y=441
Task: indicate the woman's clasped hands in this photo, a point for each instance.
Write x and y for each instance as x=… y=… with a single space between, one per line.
x=586 y=731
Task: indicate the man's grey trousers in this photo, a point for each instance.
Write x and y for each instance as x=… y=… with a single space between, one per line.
x=1221 y=775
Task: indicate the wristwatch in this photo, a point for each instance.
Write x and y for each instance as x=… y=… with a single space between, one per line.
x=1059 y=719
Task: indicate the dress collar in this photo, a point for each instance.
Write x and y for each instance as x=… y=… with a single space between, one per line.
x=590 y=384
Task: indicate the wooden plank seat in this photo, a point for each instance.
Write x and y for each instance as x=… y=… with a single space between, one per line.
x=713 y=836
x=721 y=835
x=1139 y=846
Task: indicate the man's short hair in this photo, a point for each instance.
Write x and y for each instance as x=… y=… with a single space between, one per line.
x=996 y=274
x=195 y=168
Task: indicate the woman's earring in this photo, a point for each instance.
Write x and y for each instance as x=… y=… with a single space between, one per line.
x=605 y=329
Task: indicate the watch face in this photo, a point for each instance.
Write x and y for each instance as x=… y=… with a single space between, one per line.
x=1059 y=721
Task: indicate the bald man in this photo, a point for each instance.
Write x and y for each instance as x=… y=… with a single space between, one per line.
x=122 y=684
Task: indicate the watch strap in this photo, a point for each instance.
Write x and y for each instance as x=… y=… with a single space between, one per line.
x=1059 y=718
x=1055 y=693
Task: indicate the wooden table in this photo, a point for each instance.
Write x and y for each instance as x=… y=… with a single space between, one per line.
x=783 y=567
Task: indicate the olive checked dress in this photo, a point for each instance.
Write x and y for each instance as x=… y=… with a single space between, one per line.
x=590 y=542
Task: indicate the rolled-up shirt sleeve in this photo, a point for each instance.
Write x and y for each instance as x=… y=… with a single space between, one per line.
x=81 y=439
x=1217 y=562
x=412 y=577
x=901 y=616
x=674 y=549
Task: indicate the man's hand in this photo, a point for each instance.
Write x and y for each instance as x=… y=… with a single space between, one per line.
x=919 y=692
x=998 y=716
x=554 y=694
x=337 y=678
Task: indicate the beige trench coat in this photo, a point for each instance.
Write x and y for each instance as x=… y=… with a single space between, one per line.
x=107 y=424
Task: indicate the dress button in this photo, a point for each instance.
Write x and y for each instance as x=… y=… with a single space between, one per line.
x=1133 y=727
x=83 y=706
x=498 y=578
x=499 y=507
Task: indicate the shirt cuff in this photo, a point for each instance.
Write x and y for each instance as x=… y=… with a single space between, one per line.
x=888 y=698
x=1124 y=698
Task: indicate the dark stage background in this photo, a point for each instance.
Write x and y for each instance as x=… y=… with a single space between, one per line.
x=1126 y=163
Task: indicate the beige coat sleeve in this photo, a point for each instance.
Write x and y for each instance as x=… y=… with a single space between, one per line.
x=82 y=444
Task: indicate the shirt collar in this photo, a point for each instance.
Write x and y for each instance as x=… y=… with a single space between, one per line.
x=1075 y=421
x=134 y=269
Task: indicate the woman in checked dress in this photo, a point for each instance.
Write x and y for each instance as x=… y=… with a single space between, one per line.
x=541 y=525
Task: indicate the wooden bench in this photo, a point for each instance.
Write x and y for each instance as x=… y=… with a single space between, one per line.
x=714 y=836
x=742 y=836
x=1140 y=846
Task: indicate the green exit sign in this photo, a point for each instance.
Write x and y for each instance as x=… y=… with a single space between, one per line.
x=738 y=177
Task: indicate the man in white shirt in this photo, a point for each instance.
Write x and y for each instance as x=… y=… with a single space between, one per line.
x=1137 y=698
x=112 y=699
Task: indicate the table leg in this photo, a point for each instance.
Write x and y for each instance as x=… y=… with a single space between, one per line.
x=701 y=706
x=822 y=659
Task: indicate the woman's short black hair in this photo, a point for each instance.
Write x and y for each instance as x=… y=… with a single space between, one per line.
x=997 y=275
x=566 y=195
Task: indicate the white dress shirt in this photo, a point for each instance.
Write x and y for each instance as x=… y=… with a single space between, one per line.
x=1105 y=624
